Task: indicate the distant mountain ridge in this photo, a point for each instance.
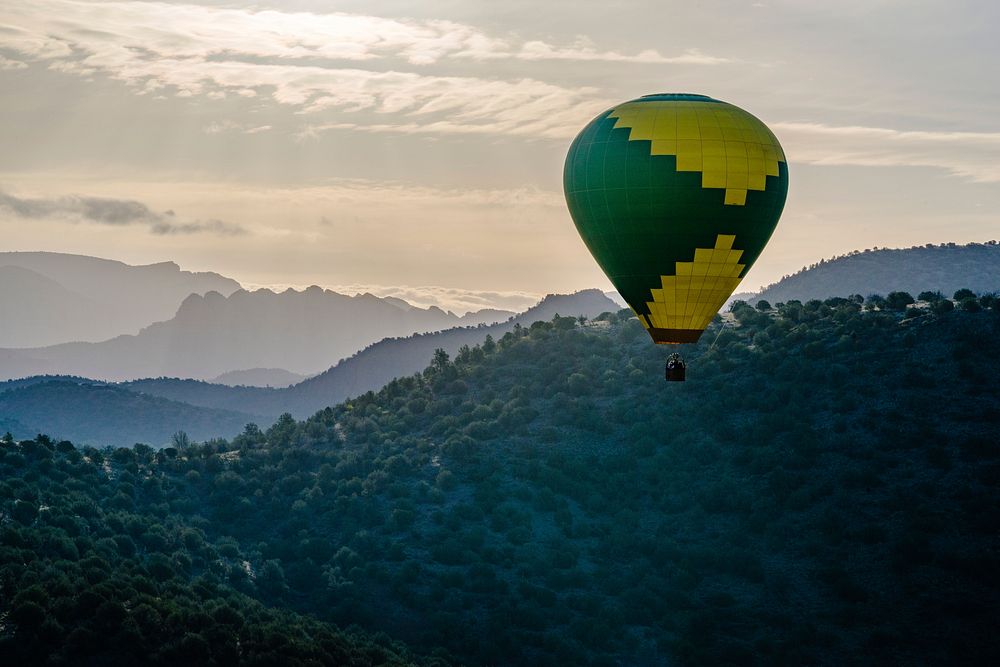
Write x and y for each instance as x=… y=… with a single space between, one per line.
x=48 y=298
x=302 y=332
x=52 y=403
x=370 y=368
x=259 y=377
x=947 y=267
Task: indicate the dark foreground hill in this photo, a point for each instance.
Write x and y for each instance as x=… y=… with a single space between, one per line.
x=947 y=268
x=822 y=491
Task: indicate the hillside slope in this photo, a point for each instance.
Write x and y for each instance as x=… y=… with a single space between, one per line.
x=102 y=414
x=932 y=268
x=821 y=491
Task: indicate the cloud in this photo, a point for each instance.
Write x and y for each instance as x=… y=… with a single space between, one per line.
x=8 y=64
x=583 y=51
x=971 y=155
x=298 y=59
x=112 y=212
x=455 y=299
x=232 y=126
x=388 y=194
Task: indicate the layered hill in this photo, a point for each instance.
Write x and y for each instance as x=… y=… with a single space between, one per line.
x=369 y=369
x=822 y=491
x=302 y=332
x=946 y=268
x=151 y=410
x=48 y=298
x=259 y=377
x=104 y=414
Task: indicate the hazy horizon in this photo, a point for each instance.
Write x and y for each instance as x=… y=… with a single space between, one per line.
x=421 y=146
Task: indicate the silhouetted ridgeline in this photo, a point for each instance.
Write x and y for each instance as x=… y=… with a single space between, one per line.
x=299 y=331
x=48 y=298
x=946 y=267
x=823 y=490
x=95 y=416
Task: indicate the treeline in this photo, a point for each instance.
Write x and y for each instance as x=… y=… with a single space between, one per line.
x=822 y=490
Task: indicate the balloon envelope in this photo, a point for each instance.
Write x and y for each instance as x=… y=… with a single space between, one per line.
x=676 y=196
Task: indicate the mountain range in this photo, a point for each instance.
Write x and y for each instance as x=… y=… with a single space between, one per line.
x=302 y=332
x=48 y=298
x=151 y=410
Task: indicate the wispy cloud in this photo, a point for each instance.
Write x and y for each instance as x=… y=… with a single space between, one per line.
x=298 y=59
x=455 y=299
x=971 y=155
x=232 y=126
x=8 y=64
x=113 y=212
x=585 y=51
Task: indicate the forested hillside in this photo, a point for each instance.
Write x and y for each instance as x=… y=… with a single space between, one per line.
x=822 y=490
x=947 y=267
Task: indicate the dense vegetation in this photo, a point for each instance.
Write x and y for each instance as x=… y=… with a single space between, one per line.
x=822 y=490
x=88 y=575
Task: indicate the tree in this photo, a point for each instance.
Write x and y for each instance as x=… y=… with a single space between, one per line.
x=898 y=300
x=970 y=304
x=963 y=294
x=24 y=511
x=763 y=305
x=930 y=296
x=271 y=580
x=943 y=306
x=875 y=302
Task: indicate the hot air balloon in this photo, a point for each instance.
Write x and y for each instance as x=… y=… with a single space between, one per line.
x=675 y=196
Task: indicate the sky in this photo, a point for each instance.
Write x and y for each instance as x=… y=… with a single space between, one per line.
x=416 y=148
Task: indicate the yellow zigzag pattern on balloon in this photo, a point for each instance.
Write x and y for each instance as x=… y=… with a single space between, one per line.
x=692 y=297
x=732 y=149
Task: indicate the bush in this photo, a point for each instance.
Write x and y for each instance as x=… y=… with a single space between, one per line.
x=898 y=301
x=943 y=306
x=970 y=304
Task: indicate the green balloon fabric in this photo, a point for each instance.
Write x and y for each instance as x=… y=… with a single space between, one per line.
x=675 y=195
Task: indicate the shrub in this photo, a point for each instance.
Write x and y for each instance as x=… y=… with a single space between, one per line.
x=943 y=306
x=970 y=304
x=898 y=300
